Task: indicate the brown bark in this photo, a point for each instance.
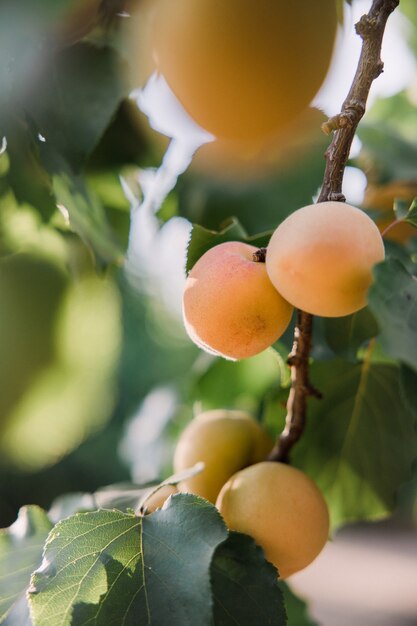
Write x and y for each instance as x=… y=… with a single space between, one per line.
x=371 y=29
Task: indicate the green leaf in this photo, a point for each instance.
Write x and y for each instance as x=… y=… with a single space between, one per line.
x=202 y=239
x=26 y=176
x=394 y=156
x=411 y=217
x=245 y=586
x=87 y=218
x=239 y=384
x=77 y=97
x=345 y=335
x=393 y=301
x=20 y=553
x=109 y=567
x=408 y=387
x=296 y=608
x=360 y=440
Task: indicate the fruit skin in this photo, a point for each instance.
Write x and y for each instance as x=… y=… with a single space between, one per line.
x=158 y=499
x=321 y=258
x=240 y=69
x=230 y=307
x=282 y=509
x=382 y=197
x=226 y=441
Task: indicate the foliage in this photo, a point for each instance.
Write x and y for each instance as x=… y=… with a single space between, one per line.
x=83 y=344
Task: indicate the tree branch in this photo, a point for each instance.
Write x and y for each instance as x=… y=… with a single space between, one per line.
x=371 y=28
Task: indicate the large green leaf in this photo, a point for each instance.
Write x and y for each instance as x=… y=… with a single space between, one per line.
x=77 y=97
x=393 y=301
x=26 y=176
x=109 y=567
x=87 y=217
x=245 y=586
x=296 y=608
x=345 y=335
x=360 y=441
x=20 y=553
x=393 y=155
x=241 y=384
x=411 y=216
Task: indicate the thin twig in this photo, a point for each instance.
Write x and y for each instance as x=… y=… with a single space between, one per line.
x=371 y=28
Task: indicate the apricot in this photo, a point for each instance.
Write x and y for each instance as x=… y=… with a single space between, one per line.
x=282 y=509
x=249 y=160
x=230 y=306
x=157 y=500
x=243 y=69
x=321 y=258
x=225 y=441
x=382 y=198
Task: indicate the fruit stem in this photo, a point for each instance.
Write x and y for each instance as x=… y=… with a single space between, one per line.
x=371 y=29
x=259 y=256
x=301 y=388
x=391 y=226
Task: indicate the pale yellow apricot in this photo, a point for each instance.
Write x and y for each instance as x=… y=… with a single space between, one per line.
x=157 y=500
x=230 y=306
x=282 y=509
x=225 y=441
x=321 y=258
x=239 y=67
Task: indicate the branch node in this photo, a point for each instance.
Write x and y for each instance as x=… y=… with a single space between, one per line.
x=337 y=197
x=259 y=256
x=313 y=392
x=365 y=26
x=379 y=69
x=293 y=360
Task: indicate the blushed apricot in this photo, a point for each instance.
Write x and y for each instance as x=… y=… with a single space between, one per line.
x=321 y=258
x=225 y=441
x=382 y=198
x=243 y=69
x=230 y=307
x=282 y=509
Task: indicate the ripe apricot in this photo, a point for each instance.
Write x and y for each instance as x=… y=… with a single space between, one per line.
x=382 y=197
x=230 y=306
x=249 y=160
x=157 y=500
x=321 y=258
x=225 y=441
x=282 y=509
x=243 y=69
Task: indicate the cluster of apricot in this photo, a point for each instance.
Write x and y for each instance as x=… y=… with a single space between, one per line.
x=223 y=61
x=319 y=259
x=278 y=505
